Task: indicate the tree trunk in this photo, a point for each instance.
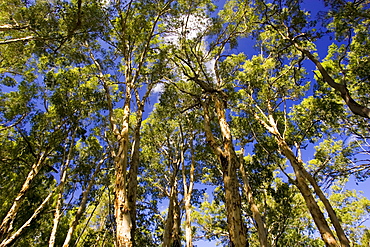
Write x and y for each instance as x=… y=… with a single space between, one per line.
x=319 y=218
x=260 y=224
x=58 y=210
x=229 y=164
x=82 y=207
x=133 y=172
x=13 y=237
x=188 y=189
x=235 y=222
x=121 y=204
x=7 y=223
x=170 y=220
x=329 y=209
x=176 y=231
x=60 y=189
x=188 y=230
x=301 y=182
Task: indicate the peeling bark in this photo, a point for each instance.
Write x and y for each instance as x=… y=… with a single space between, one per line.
x=121 y=204
x=229 y=165
x=319 y=218
x=169 y=233
x=133 y=173
x=188 y=189
x=344 y=241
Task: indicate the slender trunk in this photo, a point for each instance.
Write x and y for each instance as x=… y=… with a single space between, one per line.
x=332 y=215
x=12 y=238
x=121 y=205
x=188 y=189
x=176 y=238
x=229 y=164
x=133 y=173
x=7 y=223
x=188 y=230
x=170 y=220
x=82 y=207
x=58 y=210
x=260 y=224
x=60 y=189
x=301 y=182
x=319 y=218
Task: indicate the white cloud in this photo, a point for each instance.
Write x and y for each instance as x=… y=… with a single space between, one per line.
x=159 y=88
x=210 y=66
x=188 y=27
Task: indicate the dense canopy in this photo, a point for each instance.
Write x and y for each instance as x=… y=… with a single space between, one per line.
x=166 y=122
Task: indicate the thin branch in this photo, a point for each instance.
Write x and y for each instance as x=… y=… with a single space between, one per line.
x=9 y=41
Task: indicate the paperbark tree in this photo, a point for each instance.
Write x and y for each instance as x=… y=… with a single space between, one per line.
x=265 y=106
x=134 y=37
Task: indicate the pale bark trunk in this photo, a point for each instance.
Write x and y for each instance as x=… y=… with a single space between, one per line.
x=7 y=223
x=235 y=223
x=168 y=235
x=122 y=213
x=229 y=164
x=319 y=218
x=188 y=189
x=169 y=225
x=302 y=177
x=82 y=207
x=133 y=172
x=121 y=205
x=332 y=215
x=188 y=230
x=57 y=214
x=260 y=224
x=301 y=183
x=60 y=189
x=176 y=240
x=12 y=238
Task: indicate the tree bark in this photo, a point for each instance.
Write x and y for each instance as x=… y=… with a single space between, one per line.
x=301 y=183
x=344 y=241
x=176 y=235
x=168 y=235
x=60 y=189
x=319 y=218
x=229 y=165
x=7 y=223
x=188 y=190
x=121 y=204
